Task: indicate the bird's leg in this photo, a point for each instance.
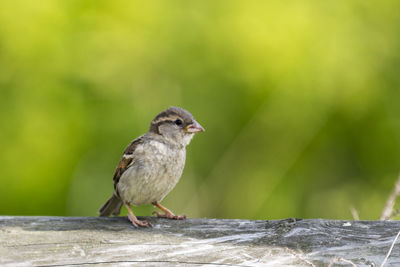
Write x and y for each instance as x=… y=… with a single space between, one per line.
x=134 y=220
x=167 y=213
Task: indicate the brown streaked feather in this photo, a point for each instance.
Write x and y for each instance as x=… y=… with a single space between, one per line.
x=132 y=146
x=125 y=162
x=122 y=166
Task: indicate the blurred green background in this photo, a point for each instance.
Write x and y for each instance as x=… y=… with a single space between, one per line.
x=300 y=100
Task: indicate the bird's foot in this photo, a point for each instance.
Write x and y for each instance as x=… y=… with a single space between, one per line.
x=169 y=215
x=136 y=223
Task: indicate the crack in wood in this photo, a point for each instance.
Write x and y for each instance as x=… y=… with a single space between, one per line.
x=138 y=261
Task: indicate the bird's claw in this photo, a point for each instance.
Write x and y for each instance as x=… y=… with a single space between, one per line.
x=169 y=216
x=136 y=223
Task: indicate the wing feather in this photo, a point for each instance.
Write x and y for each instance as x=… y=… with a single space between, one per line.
x=127 y=160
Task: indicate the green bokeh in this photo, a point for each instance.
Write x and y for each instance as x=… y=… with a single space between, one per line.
x=301 y=102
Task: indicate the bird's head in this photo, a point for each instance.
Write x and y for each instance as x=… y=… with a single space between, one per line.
x=176 y=125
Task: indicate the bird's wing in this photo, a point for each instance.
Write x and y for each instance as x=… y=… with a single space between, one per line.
x=126 y=160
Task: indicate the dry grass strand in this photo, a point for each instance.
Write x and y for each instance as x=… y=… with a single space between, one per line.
x=390 y=250
x=388 y=209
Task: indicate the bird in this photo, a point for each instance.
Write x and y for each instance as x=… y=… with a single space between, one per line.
x=152 y=165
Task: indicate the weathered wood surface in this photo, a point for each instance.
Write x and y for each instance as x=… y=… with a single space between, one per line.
x=66 y=241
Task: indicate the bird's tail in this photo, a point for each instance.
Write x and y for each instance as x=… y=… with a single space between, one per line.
x=111 y=207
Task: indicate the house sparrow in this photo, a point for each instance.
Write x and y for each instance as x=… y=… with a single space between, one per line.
x=152 y=165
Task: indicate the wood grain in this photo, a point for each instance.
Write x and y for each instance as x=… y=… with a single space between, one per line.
x=78 y=241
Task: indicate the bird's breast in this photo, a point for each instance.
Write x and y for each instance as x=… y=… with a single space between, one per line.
x=156 y=170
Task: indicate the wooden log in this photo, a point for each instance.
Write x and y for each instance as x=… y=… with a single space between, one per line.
x=66 y=241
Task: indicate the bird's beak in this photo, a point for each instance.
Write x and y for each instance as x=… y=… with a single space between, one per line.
x=195 y=127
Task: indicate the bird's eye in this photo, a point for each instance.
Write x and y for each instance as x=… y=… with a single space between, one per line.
x=178 y=122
